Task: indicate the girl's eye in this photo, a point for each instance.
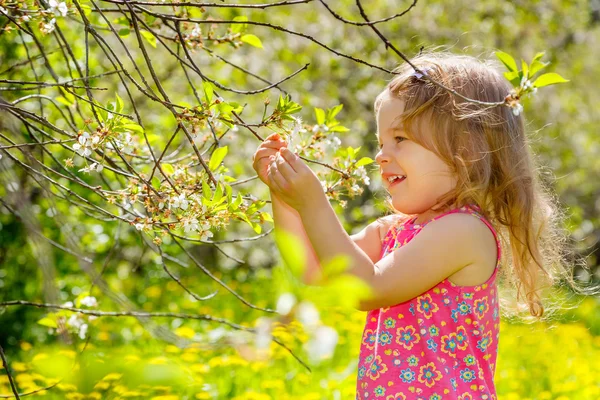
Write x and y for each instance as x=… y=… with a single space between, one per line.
x=400 y=137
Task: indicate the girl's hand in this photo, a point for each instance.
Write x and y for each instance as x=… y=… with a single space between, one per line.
x=265 y=154
x=293 y=181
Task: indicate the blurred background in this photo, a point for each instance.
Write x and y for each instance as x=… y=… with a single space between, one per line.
x=53 y=240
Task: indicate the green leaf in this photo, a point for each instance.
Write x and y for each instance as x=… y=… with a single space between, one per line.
x=335 y=110
x=119 y=104
x=50 y=323
x=156 y=182
x=124 y=32
x=507 y=60
x=535 y=67
x=538 y=56
x=133 y=128
x=208 y=89
x=513 y=77
x=150 y=38
x=525 y=69
x=206 y=191
x=218 y=193
x=236 y=204
x=121 y=21
x=237 y=28
x=252 y=40
x=320 y=115
x=363 y=161
x=339 y=128
x=550 y=78
x=256 y=226
x=217 y=156
x=168 y=169
x=266 y=216
x=64 y=101
x=67 y=95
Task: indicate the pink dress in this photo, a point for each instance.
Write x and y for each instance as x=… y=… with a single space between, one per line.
x=441 y=345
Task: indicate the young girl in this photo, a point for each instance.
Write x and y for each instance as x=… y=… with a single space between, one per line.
x=465 y=196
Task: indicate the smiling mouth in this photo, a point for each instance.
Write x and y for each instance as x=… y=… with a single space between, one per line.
x=396 y=181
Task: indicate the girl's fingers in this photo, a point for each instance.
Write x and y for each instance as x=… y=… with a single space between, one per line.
x=276 y=179
x=284 y=168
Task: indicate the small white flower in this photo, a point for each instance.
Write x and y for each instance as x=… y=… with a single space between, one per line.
x=83 y=331
x=74 y=321
x=205 y=235
x=180 y=202
x=68 y=304
x=517 y=108
x=196 y=32
x=190 y=225
x=323 y=343
x=285 y=303
x=139 y=227
x=48 y=27
x=308 y=314
x=263 y=333
x=26 y=18
x=3 y=11
x=89 y=301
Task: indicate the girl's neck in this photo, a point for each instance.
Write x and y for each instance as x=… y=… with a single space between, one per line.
x=430 y=214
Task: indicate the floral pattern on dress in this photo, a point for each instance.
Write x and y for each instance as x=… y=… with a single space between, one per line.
x=441 y=345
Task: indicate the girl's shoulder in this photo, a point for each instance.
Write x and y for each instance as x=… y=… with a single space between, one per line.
x=391 y=221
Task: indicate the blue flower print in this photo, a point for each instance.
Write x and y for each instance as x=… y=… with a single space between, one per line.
x=453 y=314
x=379 y=391
x=484 y=342
x=412 y=309
x=407 y=375
x=413 y=361
x=390 y=323
x=453 y=383
x=447 y=300
x=434 y=330
x=496 y=313
x=435 y=396
x=464 y=308
x=469 y=360
x=397 y=361
x=385 y=338
x=362 y=371
x=467 y=375
x=432 y=345
x=369 y=358
x=467 y=295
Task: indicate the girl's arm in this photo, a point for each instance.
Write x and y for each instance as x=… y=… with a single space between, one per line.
x=288 y=219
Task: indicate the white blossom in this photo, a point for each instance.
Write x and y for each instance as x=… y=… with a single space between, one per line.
x=190 y=225
x=322 y=344
x=517 y=108
x=285 y=303
x=60 y=7
x=362 y=173
x=89 y=301
x=139 y=227
x=3 y=11
x=68 y=304
x=206 y=233
x=48 y=27
x=308 y=314
x=196 y=32
x=179 y=202
x=83 y=331
x=74 y=321
x=127 y=143
x=263 y=332
x=83 y=144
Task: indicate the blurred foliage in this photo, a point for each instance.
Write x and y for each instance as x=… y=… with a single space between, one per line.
x=130 y=358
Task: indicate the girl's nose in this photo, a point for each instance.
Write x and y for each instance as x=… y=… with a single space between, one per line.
x=381 y=157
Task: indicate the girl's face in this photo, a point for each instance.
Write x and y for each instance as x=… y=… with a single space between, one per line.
x=427 y=177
